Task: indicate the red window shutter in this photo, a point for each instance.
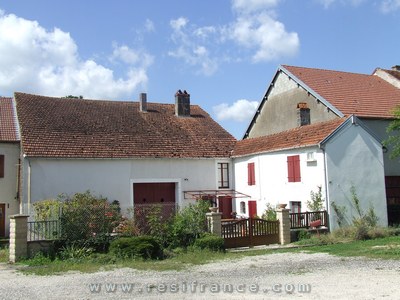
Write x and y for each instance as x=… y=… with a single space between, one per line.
x=251 y=176
x=1 y=166
x=293 y=165
x=296 y=165
x=290 y=169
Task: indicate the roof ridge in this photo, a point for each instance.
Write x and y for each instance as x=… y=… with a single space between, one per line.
x=327 y=70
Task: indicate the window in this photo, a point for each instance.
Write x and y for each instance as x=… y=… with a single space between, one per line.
x=223 y=175
x=293 y=165
x=1 y=166
x=242 y=207
x=251 y=174
x=295 y=206
x=303 y=114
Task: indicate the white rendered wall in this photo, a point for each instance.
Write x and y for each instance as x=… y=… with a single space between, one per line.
x=114 y=178
x=272 y=184
x=8 y=184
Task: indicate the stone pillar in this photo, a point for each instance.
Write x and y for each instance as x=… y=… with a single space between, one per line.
x=214 y=222
x=282 y=214
x=18 y=237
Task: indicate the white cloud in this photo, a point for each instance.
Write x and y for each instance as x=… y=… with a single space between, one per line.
x=266 y=36
x=149 y=26
x=242 y=110
x=327 y=3
x=191 y=51
x=251 y=6
x=131 y=56
x=255 y=30
x=47 y=62
x=388 y=6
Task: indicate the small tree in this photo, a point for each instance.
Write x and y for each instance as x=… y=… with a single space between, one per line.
x=269 y=213
x=317 y=202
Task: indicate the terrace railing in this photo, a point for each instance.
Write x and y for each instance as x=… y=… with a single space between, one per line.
x=308 y=219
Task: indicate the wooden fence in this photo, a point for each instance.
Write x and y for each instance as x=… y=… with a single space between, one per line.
x=249 y=232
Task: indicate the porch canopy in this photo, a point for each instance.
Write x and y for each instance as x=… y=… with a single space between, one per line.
x=213 y=194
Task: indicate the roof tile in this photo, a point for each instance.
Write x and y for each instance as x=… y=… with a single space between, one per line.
x=79 y=128
x=8 y=128
x=308 y=135
x=352 y=93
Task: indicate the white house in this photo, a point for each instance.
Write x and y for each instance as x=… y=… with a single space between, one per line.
x=285 y=167
x=302 y=102
x=9 y=164
x=134 y=152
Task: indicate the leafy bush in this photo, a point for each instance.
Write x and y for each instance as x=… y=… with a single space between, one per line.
x=88 y=220
x=188 y=225
x=136 y=247
x=211 y=242
x=303 y=234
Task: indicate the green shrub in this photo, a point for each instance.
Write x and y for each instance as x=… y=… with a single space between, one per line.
x=303 y=234
x=188 y=225
x=75 y=252
x=136 y=247
x=88 y=220
x=211 y=242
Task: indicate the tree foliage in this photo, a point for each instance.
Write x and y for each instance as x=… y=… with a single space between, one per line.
x=394 y=135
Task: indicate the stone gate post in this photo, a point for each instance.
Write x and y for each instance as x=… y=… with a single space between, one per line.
x=214 y=222
x=282 y=214
x=18 y=237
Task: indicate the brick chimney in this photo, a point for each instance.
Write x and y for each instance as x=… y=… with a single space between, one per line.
x=182 y=104
x=143 y=102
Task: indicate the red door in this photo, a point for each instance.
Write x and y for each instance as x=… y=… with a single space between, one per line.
x=2 y=220
x=252 y=208
x=152 y=193
x=225 y=207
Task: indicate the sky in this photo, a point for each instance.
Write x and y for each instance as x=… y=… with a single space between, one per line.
x=223 y=52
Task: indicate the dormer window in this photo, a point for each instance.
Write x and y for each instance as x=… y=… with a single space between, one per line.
x=303 y=114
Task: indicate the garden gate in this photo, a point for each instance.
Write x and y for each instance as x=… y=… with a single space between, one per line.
x=249 y=232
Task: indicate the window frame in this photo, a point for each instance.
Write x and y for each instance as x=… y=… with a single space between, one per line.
x=223 y=175
x=2 y=165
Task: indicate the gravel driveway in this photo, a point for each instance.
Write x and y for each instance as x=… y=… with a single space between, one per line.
x=279 y=275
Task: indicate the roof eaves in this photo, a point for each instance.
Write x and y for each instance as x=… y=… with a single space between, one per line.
x=311 y=91
x=276 y=150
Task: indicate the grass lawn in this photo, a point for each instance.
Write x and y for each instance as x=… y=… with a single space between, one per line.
x=382 y=248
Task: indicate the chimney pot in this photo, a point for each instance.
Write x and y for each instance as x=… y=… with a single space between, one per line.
x=143 y=102
x=182 y=103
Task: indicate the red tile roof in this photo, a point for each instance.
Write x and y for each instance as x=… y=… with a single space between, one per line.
x=8 y=128
x=298 y=137
x=76 y=128
x=351 y=93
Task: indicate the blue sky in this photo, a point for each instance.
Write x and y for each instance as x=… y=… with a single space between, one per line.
x=224 y=53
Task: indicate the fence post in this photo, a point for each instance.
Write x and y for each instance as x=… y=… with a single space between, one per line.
x=214 y=223
x=18 y=237
x=282 y=214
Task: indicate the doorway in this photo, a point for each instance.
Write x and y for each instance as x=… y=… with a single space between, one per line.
x=2 y=220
